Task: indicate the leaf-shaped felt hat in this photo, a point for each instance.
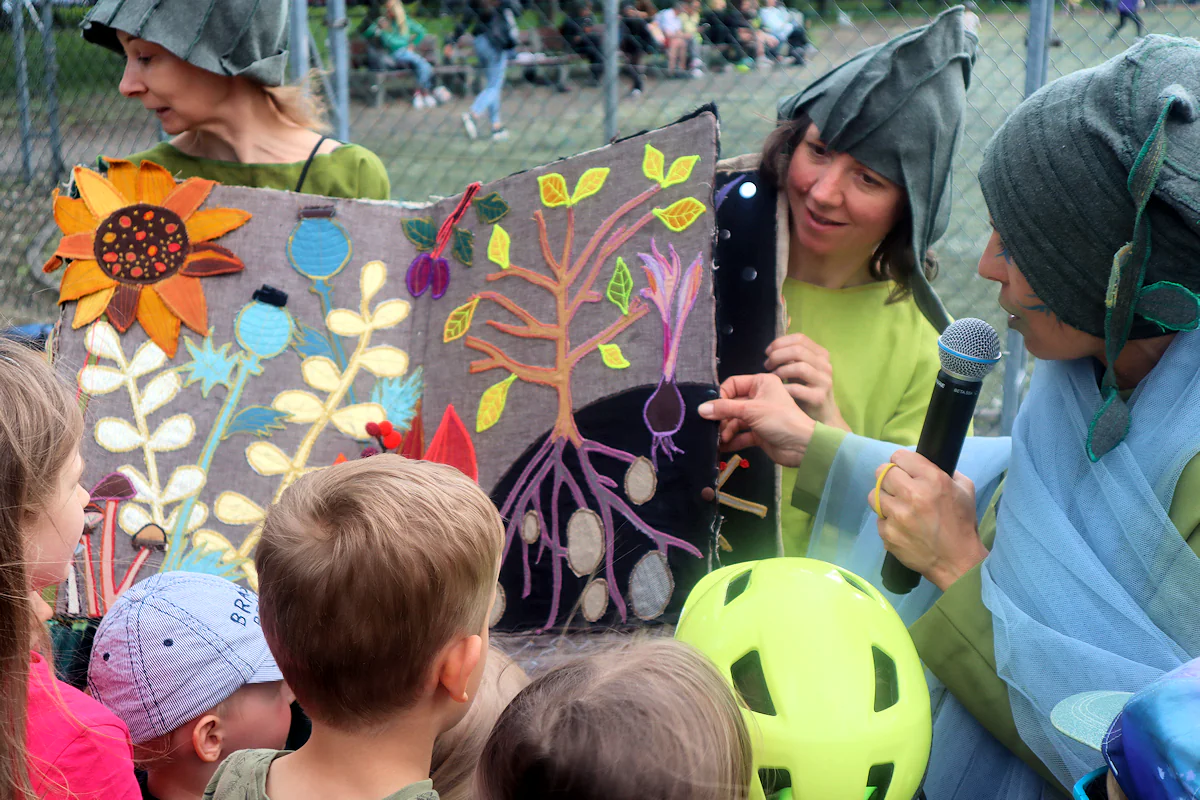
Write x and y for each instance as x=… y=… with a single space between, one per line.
x=245 y=38
x=898 y=108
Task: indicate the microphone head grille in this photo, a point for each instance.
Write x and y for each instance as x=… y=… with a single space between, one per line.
x=969 y=348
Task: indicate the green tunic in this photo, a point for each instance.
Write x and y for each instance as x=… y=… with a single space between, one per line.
x=954 y=638
x=350 y=171
x=885 y=360
x=243 y=776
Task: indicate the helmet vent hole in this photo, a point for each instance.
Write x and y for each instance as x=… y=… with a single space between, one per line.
x=774 y=780
x=854 y=581
x=751 y=684
x=878 y=781
x=887 y=685
x=737 y=586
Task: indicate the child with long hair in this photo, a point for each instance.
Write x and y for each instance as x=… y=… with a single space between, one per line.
x=55 y=741
x=651 y=718
x=456 y=752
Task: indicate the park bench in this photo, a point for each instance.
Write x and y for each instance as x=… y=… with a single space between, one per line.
x=374 y=84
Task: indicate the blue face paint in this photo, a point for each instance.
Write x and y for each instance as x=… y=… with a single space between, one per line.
x=1035 y=304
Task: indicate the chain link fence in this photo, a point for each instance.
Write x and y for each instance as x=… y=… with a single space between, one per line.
x=60 y=102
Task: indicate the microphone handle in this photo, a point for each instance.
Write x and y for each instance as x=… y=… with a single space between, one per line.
x=942 y=437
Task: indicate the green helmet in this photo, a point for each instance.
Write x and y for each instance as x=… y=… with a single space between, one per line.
x=833 y=691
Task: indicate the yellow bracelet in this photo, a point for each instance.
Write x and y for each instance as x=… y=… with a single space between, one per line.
x=879 y=488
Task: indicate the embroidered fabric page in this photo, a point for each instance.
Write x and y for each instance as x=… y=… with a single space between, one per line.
x=549 y=334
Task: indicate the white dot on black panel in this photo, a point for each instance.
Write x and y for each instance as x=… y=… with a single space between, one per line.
x=747 y=190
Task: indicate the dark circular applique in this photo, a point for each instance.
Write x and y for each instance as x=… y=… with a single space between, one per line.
x=141 y=244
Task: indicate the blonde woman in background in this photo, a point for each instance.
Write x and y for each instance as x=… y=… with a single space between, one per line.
x=212 y=72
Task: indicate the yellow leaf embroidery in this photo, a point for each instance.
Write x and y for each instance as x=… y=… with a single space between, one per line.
x=680 y=214
x=680 y=171
x=652 y=164
x=554 y=190
x=321 y=373
x=371 y=279
x=237 y=509
x=302 y=406
x=491 y=404
x=498 y=247
x=266 y=459
x=613 y=357
x=389 y=313
x=459 y=321
x=352 y=420
x=590 y=182
x=384 y=361
x=345 y=322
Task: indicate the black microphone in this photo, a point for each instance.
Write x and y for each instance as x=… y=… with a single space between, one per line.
x=968 y=350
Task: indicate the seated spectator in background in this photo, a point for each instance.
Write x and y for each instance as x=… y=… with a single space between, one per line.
x=718 y=25
x=781 y=24
x=390 y=42
x=689 y=21
x=671 y=23
x=744 y=20
x=181 y=659
x=580 y=32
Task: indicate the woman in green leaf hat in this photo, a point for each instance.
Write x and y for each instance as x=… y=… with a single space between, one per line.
x=837 y=215
x=1070 y=553
x=212 y=71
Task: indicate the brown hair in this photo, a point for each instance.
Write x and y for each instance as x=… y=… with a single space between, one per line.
x=894 y=258
x=40 y=428
x=652 y=718
x=366 y=571
x=456 y=752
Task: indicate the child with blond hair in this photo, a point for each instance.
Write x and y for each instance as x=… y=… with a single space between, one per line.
x=376 y=580
x=181 y=659
x=56 y=742
x=456 y=752
x=649 y=719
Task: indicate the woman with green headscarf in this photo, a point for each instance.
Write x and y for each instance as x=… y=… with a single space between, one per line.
x=212 y=72
x=1079 y=559
x=837 y=215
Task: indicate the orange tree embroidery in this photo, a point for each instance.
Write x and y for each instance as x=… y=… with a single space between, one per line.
x=585 y=543
x=138 y=246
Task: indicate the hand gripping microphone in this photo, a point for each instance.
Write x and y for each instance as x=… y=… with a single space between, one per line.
x=968 y=350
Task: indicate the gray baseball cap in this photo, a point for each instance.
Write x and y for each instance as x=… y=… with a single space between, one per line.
x=174 y=646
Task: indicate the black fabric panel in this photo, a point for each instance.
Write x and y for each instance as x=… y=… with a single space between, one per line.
x=747 y=299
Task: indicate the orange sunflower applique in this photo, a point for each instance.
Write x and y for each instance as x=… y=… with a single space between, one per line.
x=138 y=247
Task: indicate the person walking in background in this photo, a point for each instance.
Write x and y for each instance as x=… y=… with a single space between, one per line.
x=639 y=36
x=1128 y=10
x=391 y=38
x=493 y=28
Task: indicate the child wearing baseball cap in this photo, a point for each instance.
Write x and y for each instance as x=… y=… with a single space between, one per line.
x=1150 y=740
x=181 y=659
